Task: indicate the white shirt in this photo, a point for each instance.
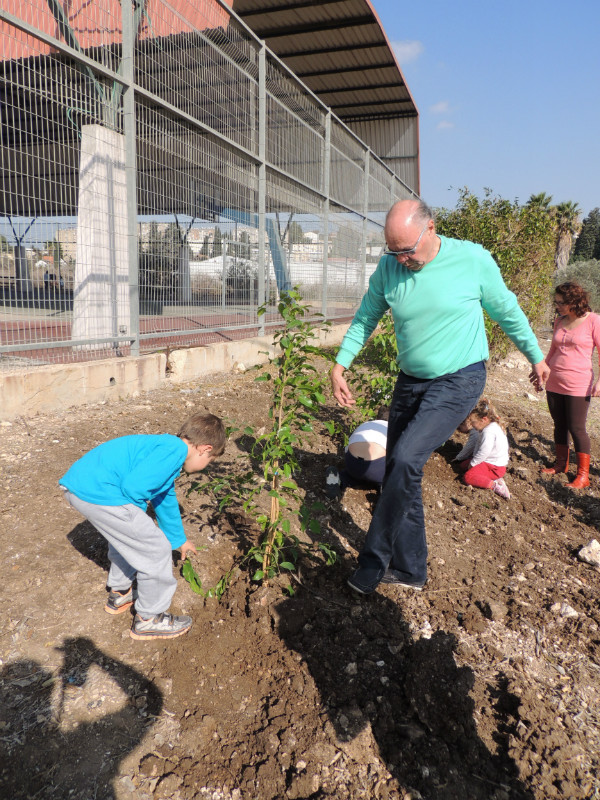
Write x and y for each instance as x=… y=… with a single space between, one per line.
x=489 y=445
x=373 y=432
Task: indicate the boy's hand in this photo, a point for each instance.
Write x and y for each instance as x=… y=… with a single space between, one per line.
x=186 y=548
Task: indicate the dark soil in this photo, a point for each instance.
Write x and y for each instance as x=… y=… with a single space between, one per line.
x=484 y=686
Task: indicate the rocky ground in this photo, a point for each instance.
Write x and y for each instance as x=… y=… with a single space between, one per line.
x=485 y=685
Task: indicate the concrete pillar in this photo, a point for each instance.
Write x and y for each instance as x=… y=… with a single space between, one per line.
x=23 y=285
x=185 y=281
x=101 y=284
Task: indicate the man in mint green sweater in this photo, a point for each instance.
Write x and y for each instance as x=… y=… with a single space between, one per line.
x=436 y=289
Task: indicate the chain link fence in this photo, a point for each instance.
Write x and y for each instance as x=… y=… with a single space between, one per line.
x=163 y=176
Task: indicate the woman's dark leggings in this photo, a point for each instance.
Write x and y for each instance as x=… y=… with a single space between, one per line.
x=569 y=414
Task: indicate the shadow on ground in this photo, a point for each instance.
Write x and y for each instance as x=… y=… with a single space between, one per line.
x=407 y=699
x=41 y=758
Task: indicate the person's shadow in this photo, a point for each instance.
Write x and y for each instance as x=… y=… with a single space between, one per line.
x=43 y=758
x=397 y=695
x=91 y=544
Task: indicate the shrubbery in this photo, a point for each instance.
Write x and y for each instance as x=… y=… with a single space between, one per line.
x=587 y=274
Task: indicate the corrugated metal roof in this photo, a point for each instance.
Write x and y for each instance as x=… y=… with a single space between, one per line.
x=339 y=49
x=97 y=24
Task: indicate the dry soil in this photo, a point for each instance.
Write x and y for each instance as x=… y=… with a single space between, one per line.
x=484 y=686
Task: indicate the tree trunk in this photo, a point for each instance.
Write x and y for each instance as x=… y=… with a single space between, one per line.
x=563 y=251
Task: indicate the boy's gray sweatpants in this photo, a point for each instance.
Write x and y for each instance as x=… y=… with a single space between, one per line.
x=136 y=547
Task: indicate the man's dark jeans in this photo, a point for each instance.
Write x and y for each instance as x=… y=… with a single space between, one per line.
x=423 y=415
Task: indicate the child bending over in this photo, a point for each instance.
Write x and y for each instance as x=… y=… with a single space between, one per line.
x=364 y=459
x=111 y=486
x=485 y=455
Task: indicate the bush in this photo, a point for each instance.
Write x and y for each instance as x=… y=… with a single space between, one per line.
x=586 y=274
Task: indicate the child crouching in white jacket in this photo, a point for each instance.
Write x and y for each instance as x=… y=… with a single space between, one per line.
x=485 y=455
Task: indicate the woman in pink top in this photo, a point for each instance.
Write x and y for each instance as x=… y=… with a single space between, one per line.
x=571 y=382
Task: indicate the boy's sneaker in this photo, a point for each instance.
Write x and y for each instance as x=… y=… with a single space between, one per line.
x=119 y=601
x=500 y=488
x=162 y=626
x=333 y=484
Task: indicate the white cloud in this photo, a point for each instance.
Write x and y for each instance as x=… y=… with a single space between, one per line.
x=407 y=51
x=443 y=107
x=444 y=125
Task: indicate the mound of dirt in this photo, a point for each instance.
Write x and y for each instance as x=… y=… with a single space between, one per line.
x=483 y=686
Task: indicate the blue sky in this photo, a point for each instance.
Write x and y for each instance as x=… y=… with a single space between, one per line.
x=508 y=93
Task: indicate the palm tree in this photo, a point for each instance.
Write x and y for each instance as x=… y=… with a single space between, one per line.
x=566 y=219
x=541 y=201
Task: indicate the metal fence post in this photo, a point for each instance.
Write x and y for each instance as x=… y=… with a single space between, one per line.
x=129 y=130
x=365 y=226
x=326 y=189
x=262 y=179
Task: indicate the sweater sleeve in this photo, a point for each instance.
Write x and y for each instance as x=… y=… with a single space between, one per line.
x=371 y=310
x=469 y=447
x=502 y=306
x=596 y=335
x=166 y=508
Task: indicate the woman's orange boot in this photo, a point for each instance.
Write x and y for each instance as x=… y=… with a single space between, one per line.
x=561 y=463
x=583 y=472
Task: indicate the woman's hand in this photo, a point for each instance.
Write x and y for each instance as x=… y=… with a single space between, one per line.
x=596 y=389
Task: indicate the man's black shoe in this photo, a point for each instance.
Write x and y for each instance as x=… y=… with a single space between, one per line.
x=391 y=576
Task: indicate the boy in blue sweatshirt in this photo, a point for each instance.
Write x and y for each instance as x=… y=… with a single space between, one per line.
x=112 y=485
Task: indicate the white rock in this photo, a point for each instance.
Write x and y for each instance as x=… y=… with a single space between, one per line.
x=564 y=610
x=532 y=397
x=426 y=631
x=590 y=553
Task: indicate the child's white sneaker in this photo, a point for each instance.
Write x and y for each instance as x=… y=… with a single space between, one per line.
x=162 y=626
x=500 y=488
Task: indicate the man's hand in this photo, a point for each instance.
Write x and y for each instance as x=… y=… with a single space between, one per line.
x=539 y=374
x=341 y=392
x=186 y=548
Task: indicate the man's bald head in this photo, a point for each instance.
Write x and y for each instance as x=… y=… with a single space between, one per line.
x=410 y=233
x=408 y=212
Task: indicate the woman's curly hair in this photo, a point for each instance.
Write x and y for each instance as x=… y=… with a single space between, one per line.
x=575 y=296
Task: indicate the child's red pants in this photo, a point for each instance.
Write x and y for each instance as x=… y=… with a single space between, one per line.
x=481 y=475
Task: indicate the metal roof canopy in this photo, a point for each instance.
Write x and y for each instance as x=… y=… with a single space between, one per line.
x=339 y=49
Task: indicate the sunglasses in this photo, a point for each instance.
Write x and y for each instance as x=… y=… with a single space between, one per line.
x=410 y=250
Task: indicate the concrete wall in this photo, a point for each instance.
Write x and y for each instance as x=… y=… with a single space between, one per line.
x=47 y=389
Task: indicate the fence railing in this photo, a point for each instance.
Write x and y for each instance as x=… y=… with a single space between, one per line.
x=163 y=174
